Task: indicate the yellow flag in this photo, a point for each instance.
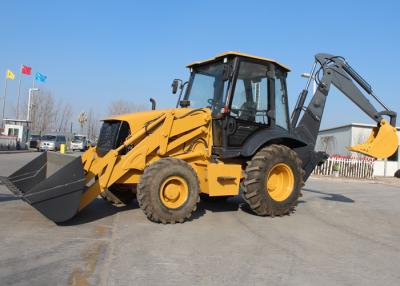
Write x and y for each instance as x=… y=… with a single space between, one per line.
x=10 y=75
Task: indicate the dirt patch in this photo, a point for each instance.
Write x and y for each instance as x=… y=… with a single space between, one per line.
x=102 y=230
x=80 y=277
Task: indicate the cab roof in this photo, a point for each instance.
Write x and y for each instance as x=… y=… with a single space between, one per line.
x=226 y=54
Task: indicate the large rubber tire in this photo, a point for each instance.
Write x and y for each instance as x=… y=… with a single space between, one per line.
x=256 y=193
x=149 y=192
x=397 y=174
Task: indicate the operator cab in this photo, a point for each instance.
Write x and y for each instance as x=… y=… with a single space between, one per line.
x=246 y=95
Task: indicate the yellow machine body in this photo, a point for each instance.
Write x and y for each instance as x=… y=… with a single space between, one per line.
x=181 y=133
x=382 y=142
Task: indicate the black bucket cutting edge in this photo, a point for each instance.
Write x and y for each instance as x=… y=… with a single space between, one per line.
x=52 y=183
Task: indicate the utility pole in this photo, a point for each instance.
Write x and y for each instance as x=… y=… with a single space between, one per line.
x=4 y=102
x=28 y=114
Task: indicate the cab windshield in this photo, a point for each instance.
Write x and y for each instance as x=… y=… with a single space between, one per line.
x=208 y=87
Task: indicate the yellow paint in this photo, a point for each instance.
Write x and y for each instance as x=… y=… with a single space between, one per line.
x=174 y=192
x=90 y=194
x=223 y=179
x=131 y=177
x=220 y=56
x=382 y=143
x=279 y=182
x=165 y=133
x=201 y=171
x=62 y=148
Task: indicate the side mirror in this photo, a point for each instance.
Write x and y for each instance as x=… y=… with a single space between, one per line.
x=175 y=85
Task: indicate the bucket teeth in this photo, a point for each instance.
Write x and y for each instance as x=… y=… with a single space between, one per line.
x=5 y=181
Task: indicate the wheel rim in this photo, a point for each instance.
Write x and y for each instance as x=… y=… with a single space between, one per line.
x=280 y=182
x=174 y=192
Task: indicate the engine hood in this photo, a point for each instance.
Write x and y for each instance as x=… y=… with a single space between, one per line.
x=138 y=119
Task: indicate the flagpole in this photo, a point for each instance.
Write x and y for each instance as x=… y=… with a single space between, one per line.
x=4 y=102
x=19 y=91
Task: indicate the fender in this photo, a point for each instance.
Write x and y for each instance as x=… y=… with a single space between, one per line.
x=274 y=135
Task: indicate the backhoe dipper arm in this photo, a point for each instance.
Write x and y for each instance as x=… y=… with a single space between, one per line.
x=338 y=72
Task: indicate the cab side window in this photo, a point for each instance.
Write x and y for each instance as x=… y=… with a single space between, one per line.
x=281 y=111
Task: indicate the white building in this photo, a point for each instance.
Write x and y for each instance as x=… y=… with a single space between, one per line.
x=335 y=140
x=15 y=130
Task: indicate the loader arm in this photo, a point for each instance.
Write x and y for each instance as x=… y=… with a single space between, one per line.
x=101 y=173
x=382 y=143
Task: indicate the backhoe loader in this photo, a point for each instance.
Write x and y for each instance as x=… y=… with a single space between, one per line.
x=232 y=131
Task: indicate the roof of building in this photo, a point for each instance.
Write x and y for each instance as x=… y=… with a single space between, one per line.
x=231 y=53
x=362 y=125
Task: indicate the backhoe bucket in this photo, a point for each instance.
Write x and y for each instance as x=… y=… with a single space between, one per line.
x=382 y=143
x=52 y=183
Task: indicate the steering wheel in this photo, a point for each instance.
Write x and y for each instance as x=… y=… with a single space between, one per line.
x=211 y=101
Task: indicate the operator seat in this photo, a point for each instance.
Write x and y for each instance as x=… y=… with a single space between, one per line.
x=248 y=111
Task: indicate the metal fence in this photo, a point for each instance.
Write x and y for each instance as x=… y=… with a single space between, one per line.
x=344 y=166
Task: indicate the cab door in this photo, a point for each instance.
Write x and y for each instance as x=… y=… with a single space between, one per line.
x=249 y=103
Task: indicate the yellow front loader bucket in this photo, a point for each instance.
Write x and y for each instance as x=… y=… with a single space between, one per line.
x=382 y=143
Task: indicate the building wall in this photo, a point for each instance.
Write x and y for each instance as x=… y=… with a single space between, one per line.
x=334 y=142
x=382 y=168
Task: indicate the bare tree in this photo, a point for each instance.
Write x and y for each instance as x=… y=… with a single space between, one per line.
x=48 y=114
x=123 y=106
x=65 y=118
x=93 y=125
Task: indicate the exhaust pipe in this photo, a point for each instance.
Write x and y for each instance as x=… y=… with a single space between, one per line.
x=52 y=183
x=153 y=103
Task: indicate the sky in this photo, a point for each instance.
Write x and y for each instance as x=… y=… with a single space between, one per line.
x=95 y=52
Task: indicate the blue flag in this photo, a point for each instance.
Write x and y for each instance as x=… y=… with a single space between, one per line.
x=40 y=77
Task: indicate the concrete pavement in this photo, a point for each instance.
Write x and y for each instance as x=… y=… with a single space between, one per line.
x=343 y=233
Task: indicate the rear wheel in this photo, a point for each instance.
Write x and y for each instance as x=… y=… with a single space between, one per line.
x=168 y=191
x=273 y=181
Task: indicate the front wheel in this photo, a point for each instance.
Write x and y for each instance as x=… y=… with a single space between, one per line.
x=273 y=181
x=168 y=191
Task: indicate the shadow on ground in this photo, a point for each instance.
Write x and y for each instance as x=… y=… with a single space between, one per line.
x=332 y=197
x=98 y=209
x=231 y=204
x=7 y=198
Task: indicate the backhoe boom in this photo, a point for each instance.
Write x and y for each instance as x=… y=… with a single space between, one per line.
x=338 y=72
